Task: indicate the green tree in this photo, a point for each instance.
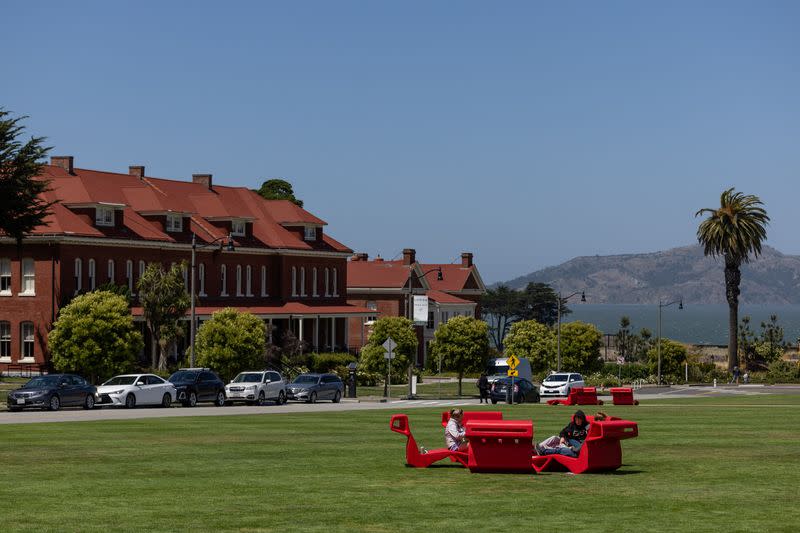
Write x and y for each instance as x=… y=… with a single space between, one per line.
x=770 y=346
x=462 y=345
x=401 y=331
x=534 y=341
x=540 y=303
x=95 y=336
x=500 y=308
x=164 y=302
x=673 y=356
x=734 y=231
x=22 y=206
x=279 y=189
x=625 y=339
x=231 y=342
x=580 y=347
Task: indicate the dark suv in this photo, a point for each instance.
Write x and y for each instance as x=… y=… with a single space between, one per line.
x=198 y=385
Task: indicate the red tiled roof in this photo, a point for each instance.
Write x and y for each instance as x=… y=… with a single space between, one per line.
x=142 y=195
x=454 y=276
x=289 y=308
x=445 y=298
x=382 y=274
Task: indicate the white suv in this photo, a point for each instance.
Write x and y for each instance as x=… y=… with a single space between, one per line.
x=255 y=388
x=560 y=383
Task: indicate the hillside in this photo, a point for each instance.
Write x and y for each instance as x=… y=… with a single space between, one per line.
x=773 y=278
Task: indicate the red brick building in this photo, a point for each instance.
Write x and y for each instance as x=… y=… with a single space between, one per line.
x=107 y=226
x=385 y=286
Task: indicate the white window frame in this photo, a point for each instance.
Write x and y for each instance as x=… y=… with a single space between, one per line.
x=129 y=275
x=201 y=273
x=78 y=271
x=239 y=227
x=5 y=341
x=294 y=281
x=327 y=282
x=314 y=288
x=5 y=276
x=335 y=282
x=110 y=270
x=174 y=222
x=302 y=281
x=104 y=216
x=92 y=274
x=239 y=280
x=264 y=291
x=223 y=272
x=248 y=285
x=27 y=340
x=28 y=268
x=310 y=233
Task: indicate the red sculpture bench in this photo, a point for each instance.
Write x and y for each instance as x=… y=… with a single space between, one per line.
x=623 y=396
x=579 y=396
x=399 y=424
x=473 y=415
x=601 y=451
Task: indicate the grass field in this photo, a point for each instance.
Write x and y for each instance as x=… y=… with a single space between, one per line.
x=723 y=464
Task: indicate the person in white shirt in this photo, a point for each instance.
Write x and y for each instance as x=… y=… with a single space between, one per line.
x=454 y=432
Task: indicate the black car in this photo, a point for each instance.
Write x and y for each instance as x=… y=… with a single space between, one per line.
x=312 y=387
x=198 y=385
x=52 y=391
x=524 y=391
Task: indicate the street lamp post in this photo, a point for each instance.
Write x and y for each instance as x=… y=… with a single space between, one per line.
x=558 y=328
x=410 y=305
x=230 y=248
x=661 y=305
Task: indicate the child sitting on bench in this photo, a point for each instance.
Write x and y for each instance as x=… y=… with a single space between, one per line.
x=454 y=432
x=569 y=441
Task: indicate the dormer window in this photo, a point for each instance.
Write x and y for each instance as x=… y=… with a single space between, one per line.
x=174 y=222
x=238 y=228
x=311 y=233
x=104 y=216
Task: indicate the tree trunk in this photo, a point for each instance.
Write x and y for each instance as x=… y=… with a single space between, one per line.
x=153 y=351
x=733 y=278
x=460 y=377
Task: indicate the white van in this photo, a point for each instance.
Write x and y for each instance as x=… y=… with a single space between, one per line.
x=498 y=368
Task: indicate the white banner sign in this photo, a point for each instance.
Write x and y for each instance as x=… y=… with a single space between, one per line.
x=420 y=308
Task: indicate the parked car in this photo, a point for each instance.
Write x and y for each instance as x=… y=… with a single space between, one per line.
x=198 y=385
x=313 y=387
x=53 y=391
x=256 y=388
x=524 y=391
x=560 y=383
x=498 y=368
x=130 y=390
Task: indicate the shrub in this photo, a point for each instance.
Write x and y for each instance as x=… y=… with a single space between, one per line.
x=783 y=372
x=328 y=362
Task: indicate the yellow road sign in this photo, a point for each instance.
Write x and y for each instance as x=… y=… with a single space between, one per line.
x=513 y=373
x=512 y=362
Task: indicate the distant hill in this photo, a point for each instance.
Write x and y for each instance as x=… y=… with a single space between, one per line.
x=773 y=278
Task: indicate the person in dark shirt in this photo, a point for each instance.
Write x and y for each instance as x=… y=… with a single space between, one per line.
x=569 y=441
x=483 y=387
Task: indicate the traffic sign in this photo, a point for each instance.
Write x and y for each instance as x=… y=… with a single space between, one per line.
x=389 y=346
x=513 y=373
x=512 y=362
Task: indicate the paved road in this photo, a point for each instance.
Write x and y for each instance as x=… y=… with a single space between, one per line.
x=75 y=415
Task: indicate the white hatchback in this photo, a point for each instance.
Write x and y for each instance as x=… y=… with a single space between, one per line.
x=560 y=383
x=130 y=390
x=256 y=388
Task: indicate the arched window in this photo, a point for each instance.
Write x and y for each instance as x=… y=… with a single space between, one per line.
x=238 y=280
x=335 y=283
x=129 y=275
x=249 y=281
x=223 y=280
x=111 y=270
x=91 y=274
x=27 y=340
x=314 y=290
x=202 y=279
x=264 y=291
x=78 y=275
x=302 y=281
x=294 y=281
x=327 y=282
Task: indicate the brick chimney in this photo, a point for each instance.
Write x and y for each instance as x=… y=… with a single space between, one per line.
x=409 y=256
x=137 y=171
x=466 y=259
x=204 y=179
x=63 y=161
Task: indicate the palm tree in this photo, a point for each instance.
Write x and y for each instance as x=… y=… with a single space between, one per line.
x=734 y=231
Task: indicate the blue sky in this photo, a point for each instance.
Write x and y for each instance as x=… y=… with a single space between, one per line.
x=525 y=132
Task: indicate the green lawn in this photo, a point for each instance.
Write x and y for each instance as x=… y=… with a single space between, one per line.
x=723 y=464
